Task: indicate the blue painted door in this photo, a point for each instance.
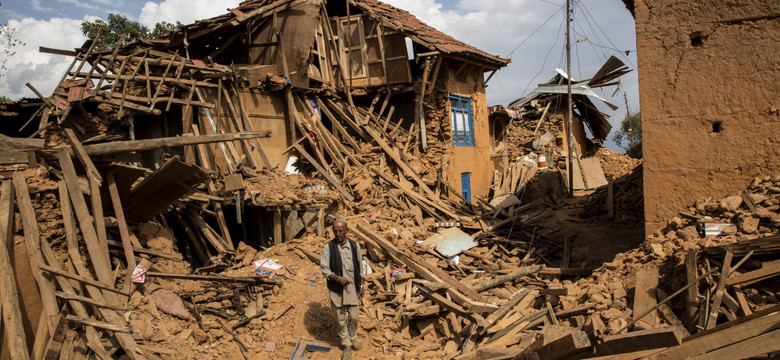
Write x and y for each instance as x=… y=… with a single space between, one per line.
x=465 y=185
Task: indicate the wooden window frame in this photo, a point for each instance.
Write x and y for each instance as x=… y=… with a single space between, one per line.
x=465 y=137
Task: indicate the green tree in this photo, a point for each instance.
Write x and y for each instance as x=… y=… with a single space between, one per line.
x=630 y=133
x=163 y=29
x=119 y=25
x=7 y=43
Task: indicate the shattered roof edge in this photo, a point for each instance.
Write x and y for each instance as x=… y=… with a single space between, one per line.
x=435 y=38
x=388 y=20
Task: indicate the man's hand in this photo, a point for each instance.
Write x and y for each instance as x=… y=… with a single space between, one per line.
x=343 y=281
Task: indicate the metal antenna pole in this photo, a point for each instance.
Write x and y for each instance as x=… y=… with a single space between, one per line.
x=569 y=118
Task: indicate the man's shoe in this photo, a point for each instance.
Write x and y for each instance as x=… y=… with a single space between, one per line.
x=356 y=345
x=346 y=354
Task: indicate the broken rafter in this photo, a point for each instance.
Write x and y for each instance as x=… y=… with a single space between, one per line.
x=167 y=142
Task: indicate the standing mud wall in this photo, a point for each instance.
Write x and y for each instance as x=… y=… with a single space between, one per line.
x=469 y=82
x=708 y=75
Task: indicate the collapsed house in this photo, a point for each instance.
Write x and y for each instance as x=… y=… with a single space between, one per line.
x=551 y=146
x=194 y=240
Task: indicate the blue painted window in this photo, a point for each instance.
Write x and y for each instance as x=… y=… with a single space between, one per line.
x=465 y=185
x=462 y=125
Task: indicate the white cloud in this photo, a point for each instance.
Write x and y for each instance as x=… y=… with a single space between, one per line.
x=29 y=65
x=185 y=11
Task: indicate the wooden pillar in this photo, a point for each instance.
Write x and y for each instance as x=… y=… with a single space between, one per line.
x=611 y=197
x=321 y=222
x=692 y=294
x=9 y=296
x=277 y=225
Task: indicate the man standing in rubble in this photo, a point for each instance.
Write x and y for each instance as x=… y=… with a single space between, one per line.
x=342 y=266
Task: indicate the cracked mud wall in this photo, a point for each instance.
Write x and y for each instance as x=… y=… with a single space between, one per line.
x=708 y=80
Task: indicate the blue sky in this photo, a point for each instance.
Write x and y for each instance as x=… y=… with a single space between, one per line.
x=503 y=28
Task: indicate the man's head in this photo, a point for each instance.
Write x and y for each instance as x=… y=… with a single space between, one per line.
x=340 y=229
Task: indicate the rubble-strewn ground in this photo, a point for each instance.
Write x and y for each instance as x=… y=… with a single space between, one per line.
x=614 y=248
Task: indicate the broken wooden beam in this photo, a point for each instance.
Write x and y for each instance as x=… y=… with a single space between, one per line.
x=219 y=278
x=168 y=142
x=9 y=295
x=664 y=301
x=754 y=276
x=724 y=276
x=505 y=278
x=724 y=334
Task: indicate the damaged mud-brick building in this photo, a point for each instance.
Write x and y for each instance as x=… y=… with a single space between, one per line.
x=708 y=74
x=532 y=133
x=420 y=87
x=188 y=138
x=320 y=80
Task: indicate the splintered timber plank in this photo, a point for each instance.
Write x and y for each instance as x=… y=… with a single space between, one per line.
x=759 y=345
x=330 y=134
x=96 y=252
x=508 y=277
x=97 y=212
x=724 y=334
x=9 y=295
x=77 y=306
x=347 y=119
x=32 y=241
x=167 y=142
x=54 y=345
x=217 y=278
x=627 y=344
x=754 y=276
x=69 y=225
x=724 y=276
x=163 y=187
x=645 y=295
x=93 y=287
x=124 y=233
